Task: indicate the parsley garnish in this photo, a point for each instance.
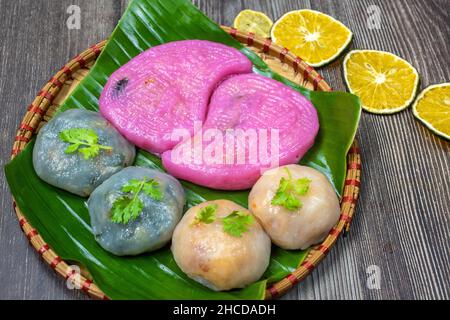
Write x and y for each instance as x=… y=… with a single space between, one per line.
x=288 y=192
x=236 y=223
x=126 y=208
x=82 y=140
x=206 y=214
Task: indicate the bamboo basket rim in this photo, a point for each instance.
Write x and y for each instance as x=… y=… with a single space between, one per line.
x=37 y=111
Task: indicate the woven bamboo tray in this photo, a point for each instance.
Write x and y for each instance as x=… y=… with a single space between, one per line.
x=279 y=59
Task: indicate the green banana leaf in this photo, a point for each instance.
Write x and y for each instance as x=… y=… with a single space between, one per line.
x=62 y=218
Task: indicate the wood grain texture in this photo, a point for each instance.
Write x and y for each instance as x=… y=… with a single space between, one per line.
x=402 y=219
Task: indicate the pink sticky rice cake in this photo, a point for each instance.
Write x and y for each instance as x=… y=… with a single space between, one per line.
x=253 y=124
x=167 y=87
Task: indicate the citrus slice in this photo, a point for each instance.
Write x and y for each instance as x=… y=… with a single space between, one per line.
x=315 y=37
x=253 y=21
x=384 y=82
x=432 y=107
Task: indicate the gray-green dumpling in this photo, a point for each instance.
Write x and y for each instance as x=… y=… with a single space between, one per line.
x=136 y=210
x=78 y=150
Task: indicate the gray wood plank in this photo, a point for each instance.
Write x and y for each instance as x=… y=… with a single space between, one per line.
x=35 y=43
x=402 y=219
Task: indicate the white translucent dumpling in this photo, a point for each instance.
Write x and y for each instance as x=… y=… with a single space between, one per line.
x=215 y=258
x=295 y=228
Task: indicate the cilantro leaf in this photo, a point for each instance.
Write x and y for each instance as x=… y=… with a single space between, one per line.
x=288 y=190
x=301 y=186
x=206 y=214
x=152 y=189
x=89 y=152
x=287 y=200
x=83 y=140
x=126 y=208
x=132 y=186
x=236 y=223
x=72 y=148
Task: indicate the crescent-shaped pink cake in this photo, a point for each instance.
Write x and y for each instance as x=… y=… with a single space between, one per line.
x=167 y=87
x=249 y=111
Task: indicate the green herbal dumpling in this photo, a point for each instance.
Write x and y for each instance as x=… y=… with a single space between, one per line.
x=78 y=150
x=136 y=210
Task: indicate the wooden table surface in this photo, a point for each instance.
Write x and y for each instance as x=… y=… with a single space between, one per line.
x=402 y=221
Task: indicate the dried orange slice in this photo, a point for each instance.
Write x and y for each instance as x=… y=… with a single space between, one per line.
x=384 y=82
x=432 y=108
x=253 y=21
x=314 y=36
